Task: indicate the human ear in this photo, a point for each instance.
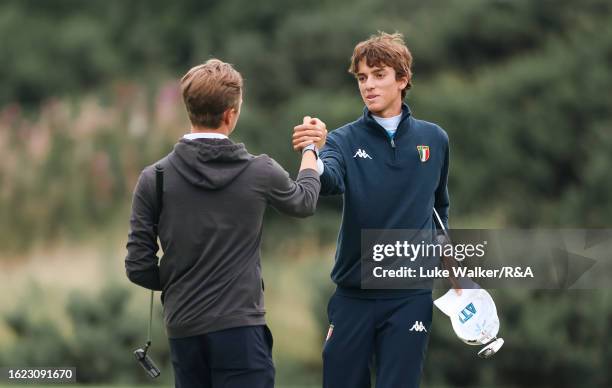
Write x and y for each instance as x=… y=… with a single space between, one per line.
x=403 y=83
x=228 y=116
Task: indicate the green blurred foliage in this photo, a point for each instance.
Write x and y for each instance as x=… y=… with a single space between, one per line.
x=97 y=336
x=552 y=339
x=521 y=87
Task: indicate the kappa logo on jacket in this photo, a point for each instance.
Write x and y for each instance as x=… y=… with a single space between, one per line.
x=362 y=154
x=418 y=326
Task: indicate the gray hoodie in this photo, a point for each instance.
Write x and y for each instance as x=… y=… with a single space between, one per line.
x=214 y=199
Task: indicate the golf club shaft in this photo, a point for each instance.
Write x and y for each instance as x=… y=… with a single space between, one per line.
x=437 y=218
x=150 y=321
x=447 y=263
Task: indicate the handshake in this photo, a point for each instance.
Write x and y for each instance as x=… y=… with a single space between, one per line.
x=311 y=131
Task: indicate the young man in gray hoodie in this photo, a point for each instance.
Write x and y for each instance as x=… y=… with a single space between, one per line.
x=214 y=197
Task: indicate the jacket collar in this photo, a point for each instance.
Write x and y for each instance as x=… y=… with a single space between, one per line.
x=372 y=124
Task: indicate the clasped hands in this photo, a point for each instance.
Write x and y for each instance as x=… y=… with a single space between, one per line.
x=311 y=131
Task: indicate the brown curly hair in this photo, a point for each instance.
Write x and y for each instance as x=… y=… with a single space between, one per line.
x=385 y=49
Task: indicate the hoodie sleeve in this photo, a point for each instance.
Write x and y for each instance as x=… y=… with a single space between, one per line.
x=442 y=201
x=332 y=179
x=296 y=198
x=141 y=262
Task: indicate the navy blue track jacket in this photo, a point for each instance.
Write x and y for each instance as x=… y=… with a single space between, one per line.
x=384 y=183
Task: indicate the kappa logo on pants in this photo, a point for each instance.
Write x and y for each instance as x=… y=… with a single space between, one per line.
x=418 y=326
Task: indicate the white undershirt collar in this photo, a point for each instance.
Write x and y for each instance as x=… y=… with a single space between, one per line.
x=204 y=135
x=388 y=123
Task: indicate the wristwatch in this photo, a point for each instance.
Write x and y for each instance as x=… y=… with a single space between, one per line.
x=313 y=148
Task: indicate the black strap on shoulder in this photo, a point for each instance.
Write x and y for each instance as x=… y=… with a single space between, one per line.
x=159 y=188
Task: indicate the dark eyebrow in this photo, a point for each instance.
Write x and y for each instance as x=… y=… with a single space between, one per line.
x=376 y=70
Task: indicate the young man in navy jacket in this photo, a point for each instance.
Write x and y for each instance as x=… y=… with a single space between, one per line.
x=392 y=170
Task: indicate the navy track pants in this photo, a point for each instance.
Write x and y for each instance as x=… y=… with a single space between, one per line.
x=233 y=358
x=390 y=335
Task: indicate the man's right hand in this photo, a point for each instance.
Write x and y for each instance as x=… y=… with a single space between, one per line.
x=311 y=131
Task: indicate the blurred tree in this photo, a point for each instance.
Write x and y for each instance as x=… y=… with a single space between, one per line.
x=521 y=87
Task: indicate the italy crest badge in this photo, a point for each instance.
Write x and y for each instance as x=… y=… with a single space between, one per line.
x=423 y=153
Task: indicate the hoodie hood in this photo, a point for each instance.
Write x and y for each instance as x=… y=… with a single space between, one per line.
x=209 y=163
